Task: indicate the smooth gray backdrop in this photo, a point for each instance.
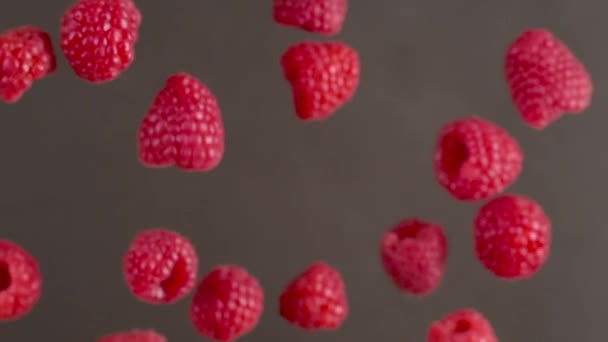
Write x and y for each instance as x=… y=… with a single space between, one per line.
x=288 y=193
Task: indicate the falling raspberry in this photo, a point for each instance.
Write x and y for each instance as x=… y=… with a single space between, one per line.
x=475 y=159
x=413 y=255
x=134 y=336
x=98 y=38
x=315 y=299
x=26 y=55
x=323 y=17
x=183 y=127
x=20 y=281
x=227 y=304
x=545 y=79
x=512 y=236
x=465 y=325
x=160 y=266
x=323 y=77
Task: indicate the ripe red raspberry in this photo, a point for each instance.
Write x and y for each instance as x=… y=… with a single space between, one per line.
x=413 y=255
x=227 y=304
x=475 y=159
x=545 y=79
x=20 y=281
x=134 y=336
x=465 y=325
x=512 y=236
x=183 y=127
x=315 y=299
x=323 y=76
x=98 y=38
x=324 y=17
x=160 y=266
x=26 y=55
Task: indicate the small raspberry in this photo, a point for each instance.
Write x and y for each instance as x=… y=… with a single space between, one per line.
x=183 y=127
x=323 y=76
x=98 y=38
x=413 y=255
x=160 y=266
x=512 y=236
x=545 y=79
x=475 y=159
x=324 y=17
x=134 y=336
x=465 y=325
x=20 y=281
x=315 y=299
x=26 y=55
x=227 y=304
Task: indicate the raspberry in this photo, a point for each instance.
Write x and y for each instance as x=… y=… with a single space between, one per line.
x=183 y=127
x=512 y=236
x=134 y=336
x=98 y=38
x=413 y=255
x=323 y=76
x=315 y=299
x=227 y=305
x=160 y=266
x=545 y=79
x=475 y=159
x=26 y=55
x=465 y=325
x=20 y=281
x=324 y=17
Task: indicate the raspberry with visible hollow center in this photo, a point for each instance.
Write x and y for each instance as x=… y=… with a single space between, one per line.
x=20 y=281
x=324 y=17
x=160 y=266
x=465 y=325
x=134 y=336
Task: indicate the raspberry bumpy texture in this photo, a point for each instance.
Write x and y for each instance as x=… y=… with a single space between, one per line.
x=324 y=17
x=20 y=281
x=465 y=325
x=134 y=336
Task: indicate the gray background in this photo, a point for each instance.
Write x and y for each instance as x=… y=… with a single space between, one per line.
x=288 y=193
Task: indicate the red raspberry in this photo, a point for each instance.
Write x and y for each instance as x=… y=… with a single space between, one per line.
x=413 y=255
x=465 y=325
x=183 y=127
x=134 y=336
x=26 y=55
x=20 y=281
x=545 y=79
x=227 y=304
x=160 y=266
x=475 y=159
x=323 y=76
x=98 y=38
x=512 y=236
x=315 y=299
x=324 y=17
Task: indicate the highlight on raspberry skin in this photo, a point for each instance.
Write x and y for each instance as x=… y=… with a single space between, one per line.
x=413 y=255
x=315 y=299
x=227 y=304
x=463 y=325
x=545 y=78
x=160 y=266
x=475 y=159
x=134 y=336
x=183 y=127
x=512 y=237
x=26 y=55
x=323 y=76
x=20 y=281
x=324 y=17
x=98 y=38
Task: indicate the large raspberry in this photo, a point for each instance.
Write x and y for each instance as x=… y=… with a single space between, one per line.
x=134 y=336
x=324 y=17
x=183 y=127
x=465 y=325
x=26 y=55
x=98 y=37
x=475 y=159
x=315 y=299
x=20 y=281
x=545 y=78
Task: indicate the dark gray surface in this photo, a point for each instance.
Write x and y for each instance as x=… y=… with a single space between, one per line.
x=288 y=193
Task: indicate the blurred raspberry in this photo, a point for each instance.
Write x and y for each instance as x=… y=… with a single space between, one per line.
x=20 y=281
